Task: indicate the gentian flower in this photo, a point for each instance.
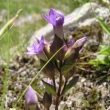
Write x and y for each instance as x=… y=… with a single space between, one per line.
x=79 y=43
x=55 y=18
x=71 y=43
x=37 y=49
x=31 y=97
x=74 y=50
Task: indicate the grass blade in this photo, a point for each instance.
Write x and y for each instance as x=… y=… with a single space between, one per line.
x=37 y=75
x=9 y=24
x=104 y=25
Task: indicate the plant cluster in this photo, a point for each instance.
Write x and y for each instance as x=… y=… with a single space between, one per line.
x=61 y=67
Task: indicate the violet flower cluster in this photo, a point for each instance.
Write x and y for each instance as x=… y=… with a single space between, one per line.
x=62 y=66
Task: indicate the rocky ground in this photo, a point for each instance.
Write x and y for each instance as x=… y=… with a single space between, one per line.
x=90 y=93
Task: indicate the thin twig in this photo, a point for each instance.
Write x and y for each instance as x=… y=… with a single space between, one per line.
x=85 y=69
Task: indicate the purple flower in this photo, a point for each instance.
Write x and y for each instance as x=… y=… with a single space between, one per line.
x=36 y=48
x=48 y=81
x=79 y=43
x=74 y=50
x=71 y=43
x=56 y=18
x=31 y=97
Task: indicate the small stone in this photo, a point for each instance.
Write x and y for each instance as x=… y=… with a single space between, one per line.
x=12 y=109
x=23 y=73
x=83 y=80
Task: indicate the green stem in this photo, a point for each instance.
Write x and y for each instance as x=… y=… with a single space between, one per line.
x=59 y=92
x=37 y=75
x=64 y=87
x=57 y=103
x=54 y=83
x=7 y=66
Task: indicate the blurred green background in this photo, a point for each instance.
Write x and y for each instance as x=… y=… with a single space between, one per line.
x=30 y=19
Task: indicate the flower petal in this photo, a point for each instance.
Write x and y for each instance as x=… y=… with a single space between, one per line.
x=71 y=43
x=30 y=48
x=59 y=18
x=29 y=53
x=52 y=16
x=30 y=96
x=46 y=18
x=56 y=17
x=41 y=45
x=79 y=43
x=36 y=48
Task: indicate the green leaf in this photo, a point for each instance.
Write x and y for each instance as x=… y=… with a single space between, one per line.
x=49 y=88
x=104 y=25
x=71 y=83
x=102 y=59
x=9 y=23
x=67 y=67
x=47 y=100
x=94 y=62
x=105 y=50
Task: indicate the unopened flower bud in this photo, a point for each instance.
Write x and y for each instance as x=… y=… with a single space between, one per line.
x=31 y=97
x=73 y=51
x=79 y=43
